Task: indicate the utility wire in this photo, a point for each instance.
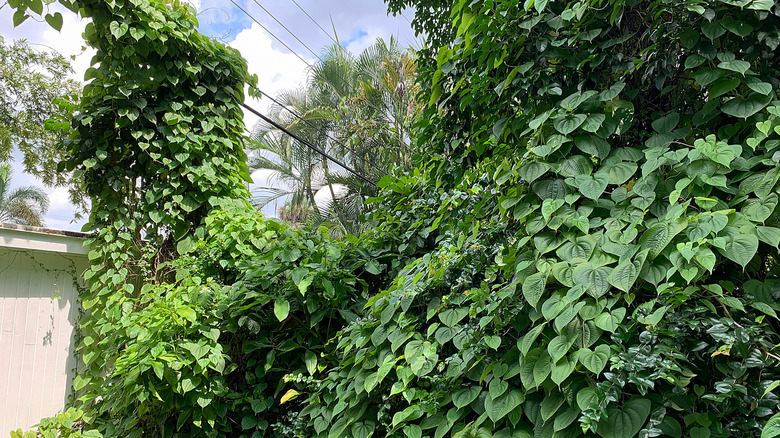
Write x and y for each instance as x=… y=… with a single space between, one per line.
x=307 y=144
x=325 y=133
x=266 y=29
x=343 y=81
x=315 y=22
x=311 y=67
x=288 y=30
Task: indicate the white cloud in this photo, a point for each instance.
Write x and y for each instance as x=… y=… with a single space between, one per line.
x=58 y=198
x=323 y=197
x=276 y=69
x=69 y=42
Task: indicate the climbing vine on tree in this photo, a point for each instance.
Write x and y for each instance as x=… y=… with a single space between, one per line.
x=158 y=140
x=599 y=230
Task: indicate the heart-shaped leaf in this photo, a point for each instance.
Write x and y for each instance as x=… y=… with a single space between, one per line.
x=568 y=123
x=500 y=407
x=744 y=108
x=592 y=186
x=625 y=422
x=594 y=360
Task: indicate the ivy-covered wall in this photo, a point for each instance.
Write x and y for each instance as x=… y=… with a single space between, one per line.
x=40 y=281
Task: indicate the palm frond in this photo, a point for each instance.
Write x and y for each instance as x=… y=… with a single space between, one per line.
x=22 y=213
x=31 y=195
x=356 y=108
x=266 y=195
x=22 y=205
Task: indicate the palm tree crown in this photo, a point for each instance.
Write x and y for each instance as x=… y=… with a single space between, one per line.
x=355 y=108
x=23 y=205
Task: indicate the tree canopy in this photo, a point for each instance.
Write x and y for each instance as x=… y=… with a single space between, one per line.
x=358 y=109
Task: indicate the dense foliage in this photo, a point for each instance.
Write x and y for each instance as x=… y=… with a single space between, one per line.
x=588 y=246
x=158 y=139
x=602 y=203
x=244 y=325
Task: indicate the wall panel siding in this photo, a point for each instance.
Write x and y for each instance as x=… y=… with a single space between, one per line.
x=38 y=311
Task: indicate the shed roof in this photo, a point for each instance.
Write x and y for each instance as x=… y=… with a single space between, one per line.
x=42 y=239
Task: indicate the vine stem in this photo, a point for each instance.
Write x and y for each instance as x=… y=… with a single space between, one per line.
x=769 y=354
x=725 y=309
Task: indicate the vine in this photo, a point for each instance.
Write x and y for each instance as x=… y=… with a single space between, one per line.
x=157 y=139
x=595 y=227
x=588 y=246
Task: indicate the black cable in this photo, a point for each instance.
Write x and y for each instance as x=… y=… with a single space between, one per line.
x=304 y=120
x=271 y=33
x=315 y=22
x=288 y=30
x=343 y=81
x=307 y=144
x=310 y=66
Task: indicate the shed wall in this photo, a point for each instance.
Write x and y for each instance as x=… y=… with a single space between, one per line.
x=38 y=311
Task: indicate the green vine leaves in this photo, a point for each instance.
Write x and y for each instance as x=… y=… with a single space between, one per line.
x=609 y=263
x=588 y=247
x=158 y=141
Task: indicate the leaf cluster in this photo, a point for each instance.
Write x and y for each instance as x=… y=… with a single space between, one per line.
x=227 y=347
x=32 y=120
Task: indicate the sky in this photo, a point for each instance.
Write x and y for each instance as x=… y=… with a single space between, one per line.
x=355 y=24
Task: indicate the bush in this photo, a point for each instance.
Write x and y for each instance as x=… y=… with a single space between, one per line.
x=207 y=358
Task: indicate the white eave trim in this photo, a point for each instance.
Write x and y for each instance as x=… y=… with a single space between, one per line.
x=42 y=239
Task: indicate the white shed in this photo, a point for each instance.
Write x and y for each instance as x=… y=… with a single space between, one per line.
x=39 y=308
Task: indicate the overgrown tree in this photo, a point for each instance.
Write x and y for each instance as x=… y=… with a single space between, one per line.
x=157 y=140
x=21 y=205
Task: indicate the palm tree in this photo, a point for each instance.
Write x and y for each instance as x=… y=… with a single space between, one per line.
x=23 y=205
x=358 y=109
x=296 y=169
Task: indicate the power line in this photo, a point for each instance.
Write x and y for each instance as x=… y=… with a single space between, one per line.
x=271 y=33
x=288 y=30
x=307 y=144
x=315 y=22
x=343 y=81
x=306 y=121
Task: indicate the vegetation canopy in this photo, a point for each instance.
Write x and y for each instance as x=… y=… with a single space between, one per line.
x=587 y=246
x=32 y=120
x=358 y=109
x=602 y=236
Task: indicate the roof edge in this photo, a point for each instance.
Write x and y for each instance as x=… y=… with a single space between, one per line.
x=49 y=231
